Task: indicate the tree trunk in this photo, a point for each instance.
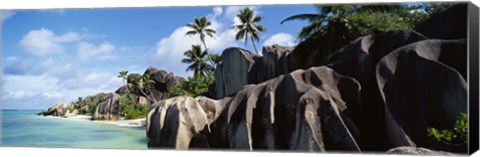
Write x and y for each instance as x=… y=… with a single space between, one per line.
x=208 y=54
x=149 y=96
x=253 y=42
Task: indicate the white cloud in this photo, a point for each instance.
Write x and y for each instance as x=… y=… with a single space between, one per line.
x=5 y=14
x=23 y=67
x=232 y=11
x=217 y=11
x=283 y=39
x=89 y=51
x=50 y=90
x=69 y=37
x=169 y=51
x=98 y=80
x=43 y=42
x=17 y=94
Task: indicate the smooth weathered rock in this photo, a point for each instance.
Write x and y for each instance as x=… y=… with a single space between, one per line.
x=307 y=54
x=238 y=68
x=449 y=24
x=59 y=109
x=122 y=90
x=358 y=60
x=178 y=122
x=91 y=102
x=163 y=82
x=306 y=110
x=418 y=151
x=275 y=61
x=422 y=86
x=108 y=109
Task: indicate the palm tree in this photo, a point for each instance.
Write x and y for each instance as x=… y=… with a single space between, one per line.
x=248 y=27
x=196 y=57
x=124 y=74
x=333 y=25
x=144 y=84
x=200 y=27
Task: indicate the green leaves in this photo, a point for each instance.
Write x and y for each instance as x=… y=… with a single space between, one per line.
x=193 y=86
x=198 y=60
x=131 y=111
x=456 y=136
x=123 y=74
x=249 y=27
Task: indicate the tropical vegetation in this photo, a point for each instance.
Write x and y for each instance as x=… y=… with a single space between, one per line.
x=337 y=25
x=457 y=135
x=144 y=85
x=334 y=26
x=124 y=74
x=194 y=86
x=200 y=27
x=131 y=111
x=249 y=27
x=198 y=62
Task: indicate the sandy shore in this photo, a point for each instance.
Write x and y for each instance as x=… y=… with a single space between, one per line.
x=141 y=122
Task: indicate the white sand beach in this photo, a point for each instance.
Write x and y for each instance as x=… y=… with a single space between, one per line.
x=140 y=122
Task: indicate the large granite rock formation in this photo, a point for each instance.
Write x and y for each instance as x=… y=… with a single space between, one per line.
x=358 y=60
x=423 y=85
x=309 y=110
x=383 y=113
x=238 y=68
x=60 y=109
x=108 y=109
x=163 y=82
x=182 y=122
x=106 y=106
x=275 y=62
x=91 y=102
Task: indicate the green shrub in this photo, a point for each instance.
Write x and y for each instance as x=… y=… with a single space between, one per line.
x=193 y=86
x=70 y=109
x=458 y=135
x=82 y=111
x=130 y=111
x=91 y=110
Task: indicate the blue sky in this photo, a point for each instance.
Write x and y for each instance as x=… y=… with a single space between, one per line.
x=52 y=56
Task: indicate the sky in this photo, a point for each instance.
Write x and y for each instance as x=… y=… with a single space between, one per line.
x=54 y=56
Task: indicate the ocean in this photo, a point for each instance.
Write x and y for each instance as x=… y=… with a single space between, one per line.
x=23 y=128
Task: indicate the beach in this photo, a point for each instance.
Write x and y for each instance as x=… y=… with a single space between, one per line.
x=140 y=122
x=23 y=128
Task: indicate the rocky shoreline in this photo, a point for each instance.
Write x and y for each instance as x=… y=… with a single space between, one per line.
x=379 y=93
x=106 y=107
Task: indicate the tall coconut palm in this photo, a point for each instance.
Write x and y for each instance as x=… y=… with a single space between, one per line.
x=196 y=57
x=124 y=74
x=249 y=27
x=200 y=27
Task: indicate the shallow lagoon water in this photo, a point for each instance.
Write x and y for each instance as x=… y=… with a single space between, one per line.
x=23 y=128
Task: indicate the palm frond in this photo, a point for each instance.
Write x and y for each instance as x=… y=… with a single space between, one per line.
x=191 y=33
x=240 y=34
x=307 y=17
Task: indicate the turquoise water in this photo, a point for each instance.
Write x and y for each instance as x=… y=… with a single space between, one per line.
x=23 y=128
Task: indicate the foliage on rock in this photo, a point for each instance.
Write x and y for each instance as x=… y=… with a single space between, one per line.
x=193 y=86
x=458 y=135
x=131 y=111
